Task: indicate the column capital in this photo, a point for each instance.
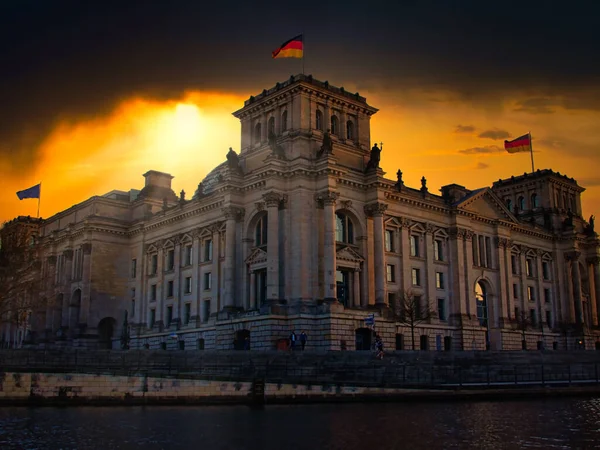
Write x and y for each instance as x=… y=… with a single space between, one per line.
x=272 y=199
x=501 y=242
x=404 y=222
x=572 y=256
x=233 y=213
x=376 y=209
x=214 y=227
x=68 y=254
x=260 y=206
x=457 y=232
x=52 y=260
x=328 y=198
x=595 y=260
x=87 y=248
x=429 y=228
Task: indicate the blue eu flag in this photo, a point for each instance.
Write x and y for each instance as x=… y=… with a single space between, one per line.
x=32 y=192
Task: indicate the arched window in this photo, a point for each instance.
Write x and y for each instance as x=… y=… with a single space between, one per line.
x=284 y=121
x=344 y=229
x=271 y=126
x=521 y=203
x=349 y=130
x=509 y=204
x=535 y=202
x=335 y=127
x=260 y=232
x=319 y=120
x=257 y=133
x=481 y=299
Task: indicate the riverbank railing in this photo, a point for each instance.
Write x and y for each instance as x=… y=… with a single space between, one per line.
x=319 y=369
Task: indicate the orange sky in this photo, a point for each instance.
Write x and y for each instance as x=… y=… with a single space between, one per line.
x=424 y=133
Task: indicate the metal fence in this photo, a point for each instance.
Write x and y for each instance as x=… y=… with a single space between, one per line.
x=322 y=369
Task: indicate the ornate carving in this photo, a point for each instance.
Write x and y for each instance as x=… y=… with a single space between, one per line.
x=539 y=251
x=404 y=222
x=501 y=242
x=214 y=227
x=595 y=260
x=374 y=159
x=87 y=248
x=260 y=206
x=468 y=235
x=52 y=260
x=272 y=199
x=375 y=209
x=346 y=204
x=233 y=213
x=327 y=198
x=429 y=228
x=284 y=201
x=68 y=254
x=572 y=256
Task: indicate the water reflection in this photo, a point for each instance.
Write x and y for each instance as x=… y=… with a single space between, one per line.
x=551 y=424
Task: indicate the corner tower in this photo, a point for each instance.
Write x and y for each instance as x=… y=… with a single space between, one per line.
x=292 y=118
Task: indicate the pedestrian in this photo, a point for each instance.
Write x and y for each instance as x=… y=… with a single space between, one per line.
x=293 y=341
x=379 y=347
x=303 y=339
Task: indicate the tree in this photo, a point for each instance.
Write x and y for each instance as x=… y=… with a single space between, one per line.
x=522 y=323
x=412 y=310
x=21 y=281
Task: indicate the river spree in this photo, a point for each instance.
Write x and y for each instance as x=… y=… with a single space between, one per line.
x=544 y=424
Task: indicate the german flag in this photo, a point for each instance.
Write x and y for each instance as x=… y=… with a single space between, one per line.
x=290 y=49
x=520 y=144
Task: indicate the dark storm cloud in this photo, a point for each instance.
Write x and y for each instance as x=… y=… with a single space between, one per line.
x=480 y=150
x=464 y=129
x=68 y=59
x=537 y=105
x=495 y=134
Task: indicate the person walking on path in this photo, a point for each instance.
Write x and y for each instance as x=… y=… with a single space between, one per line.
x=303 y=339
x=293 y=341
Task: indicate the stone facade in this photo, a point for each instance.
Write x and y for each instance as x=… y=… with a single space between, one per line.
x=302 y=231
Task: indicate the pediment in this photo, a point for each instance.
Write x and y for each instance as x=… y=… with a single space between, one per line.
x=348 y=254
x=486 y=204
x=257 y=256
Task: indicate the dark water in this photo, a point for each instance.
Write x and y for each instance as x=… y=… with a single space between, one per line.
x=543 y=424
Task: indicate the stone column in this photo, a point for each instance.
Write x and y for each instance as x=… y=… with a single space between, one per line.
x=356 y=289
x=66 y=283
x=252 y=303
x=404 y=247
x=576 y=279
x=469 y=285
x=86 y=285
x=540 y=306
x=177 y=319
x=232 y=215
x=505 y=292
x=50 y=297
x=376 y=210
x=329 y=199
x=216 y=261
x=594 y=263
x=272 y=200
x=196 y=292
x=431 y=287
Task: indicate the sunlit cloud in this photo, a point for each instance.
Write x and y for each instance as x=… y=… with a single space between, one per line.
x=496 y=134
x=464 y=129
x=481 y=150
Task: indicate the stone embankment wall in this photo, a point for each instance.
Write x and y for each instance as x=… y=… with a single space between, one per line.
x=82 y=389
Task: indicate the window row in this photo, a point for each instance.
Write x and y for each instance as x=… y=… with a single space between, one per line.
x=534 y=202
x=531 y=293
x=530 y=267
x=186 y=316
x=530 y=318
x=187 y=258
x=416 y=277
x=415 y=246
x=283 y=126
x=335 y=126
x=187 y=286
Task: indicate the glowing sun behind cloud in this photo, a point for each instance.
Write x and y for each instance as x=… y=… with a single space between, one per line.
x=186 y=137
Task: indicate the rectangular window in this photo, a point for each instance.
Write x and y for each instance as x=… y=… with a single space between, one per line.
x=531 y=293
x=170 y=288
x=532 y=317
x=153 y=293
x=438 y=250
x=481 y=251
x=169 y=315
x=513 y=264
x=261 y=287
x=441 y=306
x=206 y=306
x=547 y=296
x=417 y=306
x=392 y=301
x=416 y=277
x=207 y=281
x=414 y=246
x=170 y=259
x=389 y=241
x=546 y=270
x=517 y=313
x=529 y=267
x=439 y=280
x=133 y=268
x=515 y=290
x=132 y=308
x=549 y=319
x=152 y=317
x=391 y=273
x=475 y=249
x=188 y=255
x=488 y=251
x=188 y=285
x=187 y=313
x=208 y=249
x=153 y=264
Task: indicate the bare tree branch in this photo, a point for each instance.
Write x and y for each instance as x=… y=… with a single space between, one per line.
x=412 y=310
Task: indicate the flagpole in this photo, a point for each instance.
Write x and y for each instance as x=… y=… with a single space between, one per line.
x=39 y=200
x=303 y=50
x=531 y=150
